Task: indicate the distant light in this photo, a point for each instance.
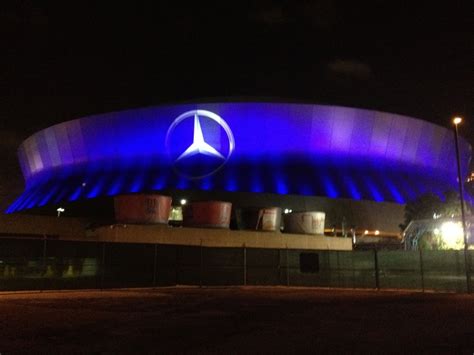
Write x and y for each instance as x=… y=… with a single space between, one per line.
x=83 y=184
x=183 y=202
x=176 y=214
x=287 y=210
x=366 y=232
x=452 y=235
x=377 y=232
x=60 y=210
x=457 y=120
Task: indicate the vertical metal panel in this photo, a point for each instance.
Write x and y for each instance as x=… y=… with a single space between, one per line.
x=43 y=150
x=362 y=134
x=447 y=155
x=321 y=128
x=24 y=164
x=397 y=137
x=62 y=138
x=380 y=133
x=301 y=117
x=98 y=133
x=424 y=151
x=53 y=148
x=33 y=155
x=437 y=141
x=76 y=140
x=342 y=133
x=412 y=139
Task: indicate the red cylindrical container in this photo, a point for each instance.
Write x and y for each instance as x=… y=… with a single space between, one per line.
x=207 y=214
x=142 y=208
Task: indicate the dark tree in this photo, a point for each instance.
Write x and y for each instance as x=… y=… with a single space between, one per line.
x=430 y=205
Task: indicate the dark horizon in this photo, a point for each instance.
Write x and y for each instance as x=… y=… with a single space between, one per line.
x=65 y=61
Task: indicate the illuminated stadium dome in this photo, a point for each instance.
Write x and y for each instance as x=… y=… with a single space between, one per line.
x=241 y=151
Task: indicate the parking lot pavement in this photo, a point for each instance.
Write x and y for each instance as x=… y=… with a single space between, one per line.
x=235 y=320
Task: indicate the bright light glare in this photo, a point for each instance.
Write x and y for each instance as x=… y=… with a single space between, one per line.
x=377 y=232
x=452 y=235
x=287 y=210
x=183 y=202
x=366 y=232
x=457 y=120
x=60 y=210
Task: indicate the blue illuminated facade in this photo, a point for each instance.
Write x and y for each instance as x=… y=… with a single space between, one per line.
x=279 y=148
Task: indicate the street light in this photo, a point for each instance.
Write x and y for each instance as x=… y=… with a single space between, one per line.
x=456 y=122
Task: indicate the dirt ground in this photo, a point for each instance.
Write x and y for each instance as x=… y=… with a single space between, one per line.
x=235 y=320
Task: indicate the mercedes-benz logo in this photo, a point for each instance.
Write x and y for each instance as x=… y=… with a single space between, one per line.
x=209 y=149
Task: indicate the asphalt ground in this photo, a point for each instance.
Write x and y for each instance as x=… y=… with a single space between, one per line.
x=236 y=320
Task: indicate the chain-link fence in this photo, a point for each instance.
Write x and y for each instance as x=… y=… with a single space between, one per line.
x=41 y=264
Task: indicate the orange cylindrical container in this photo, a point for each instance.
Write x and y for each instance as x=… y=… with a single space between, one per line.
x=142 y=208
x=207 y=214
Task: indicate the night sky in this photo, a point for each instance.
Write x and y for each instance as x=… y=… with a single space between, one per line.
x=63 y=60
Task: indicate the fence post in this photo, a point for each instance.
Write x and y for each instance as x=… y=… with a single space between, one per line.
x=155 y=262
x=200 y=264
x=422 y=271
x=44 y=263
x=467 y=266
x=376 y=265
x=353 y=269
x=245 y=264
x=287 y=267
x=176 y=265
x=102 y=274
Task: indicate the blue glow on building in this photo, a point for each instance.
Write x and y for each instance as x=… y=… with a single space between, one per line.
x=206 y=184
x=137 y=184
x=375 y=193
x=116 y=186
x=305 y=190
x=159 y=183
x=97 y=187
x=47 y=196
x=329 y=187
x=394 y=191
x=182 y=183
x=76 y=194
x=281 y=185
x=354 y=192
x=250 y=147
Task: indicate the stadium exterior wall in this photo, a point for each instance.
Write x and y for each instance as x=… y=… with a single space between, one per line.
x=274 y=148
